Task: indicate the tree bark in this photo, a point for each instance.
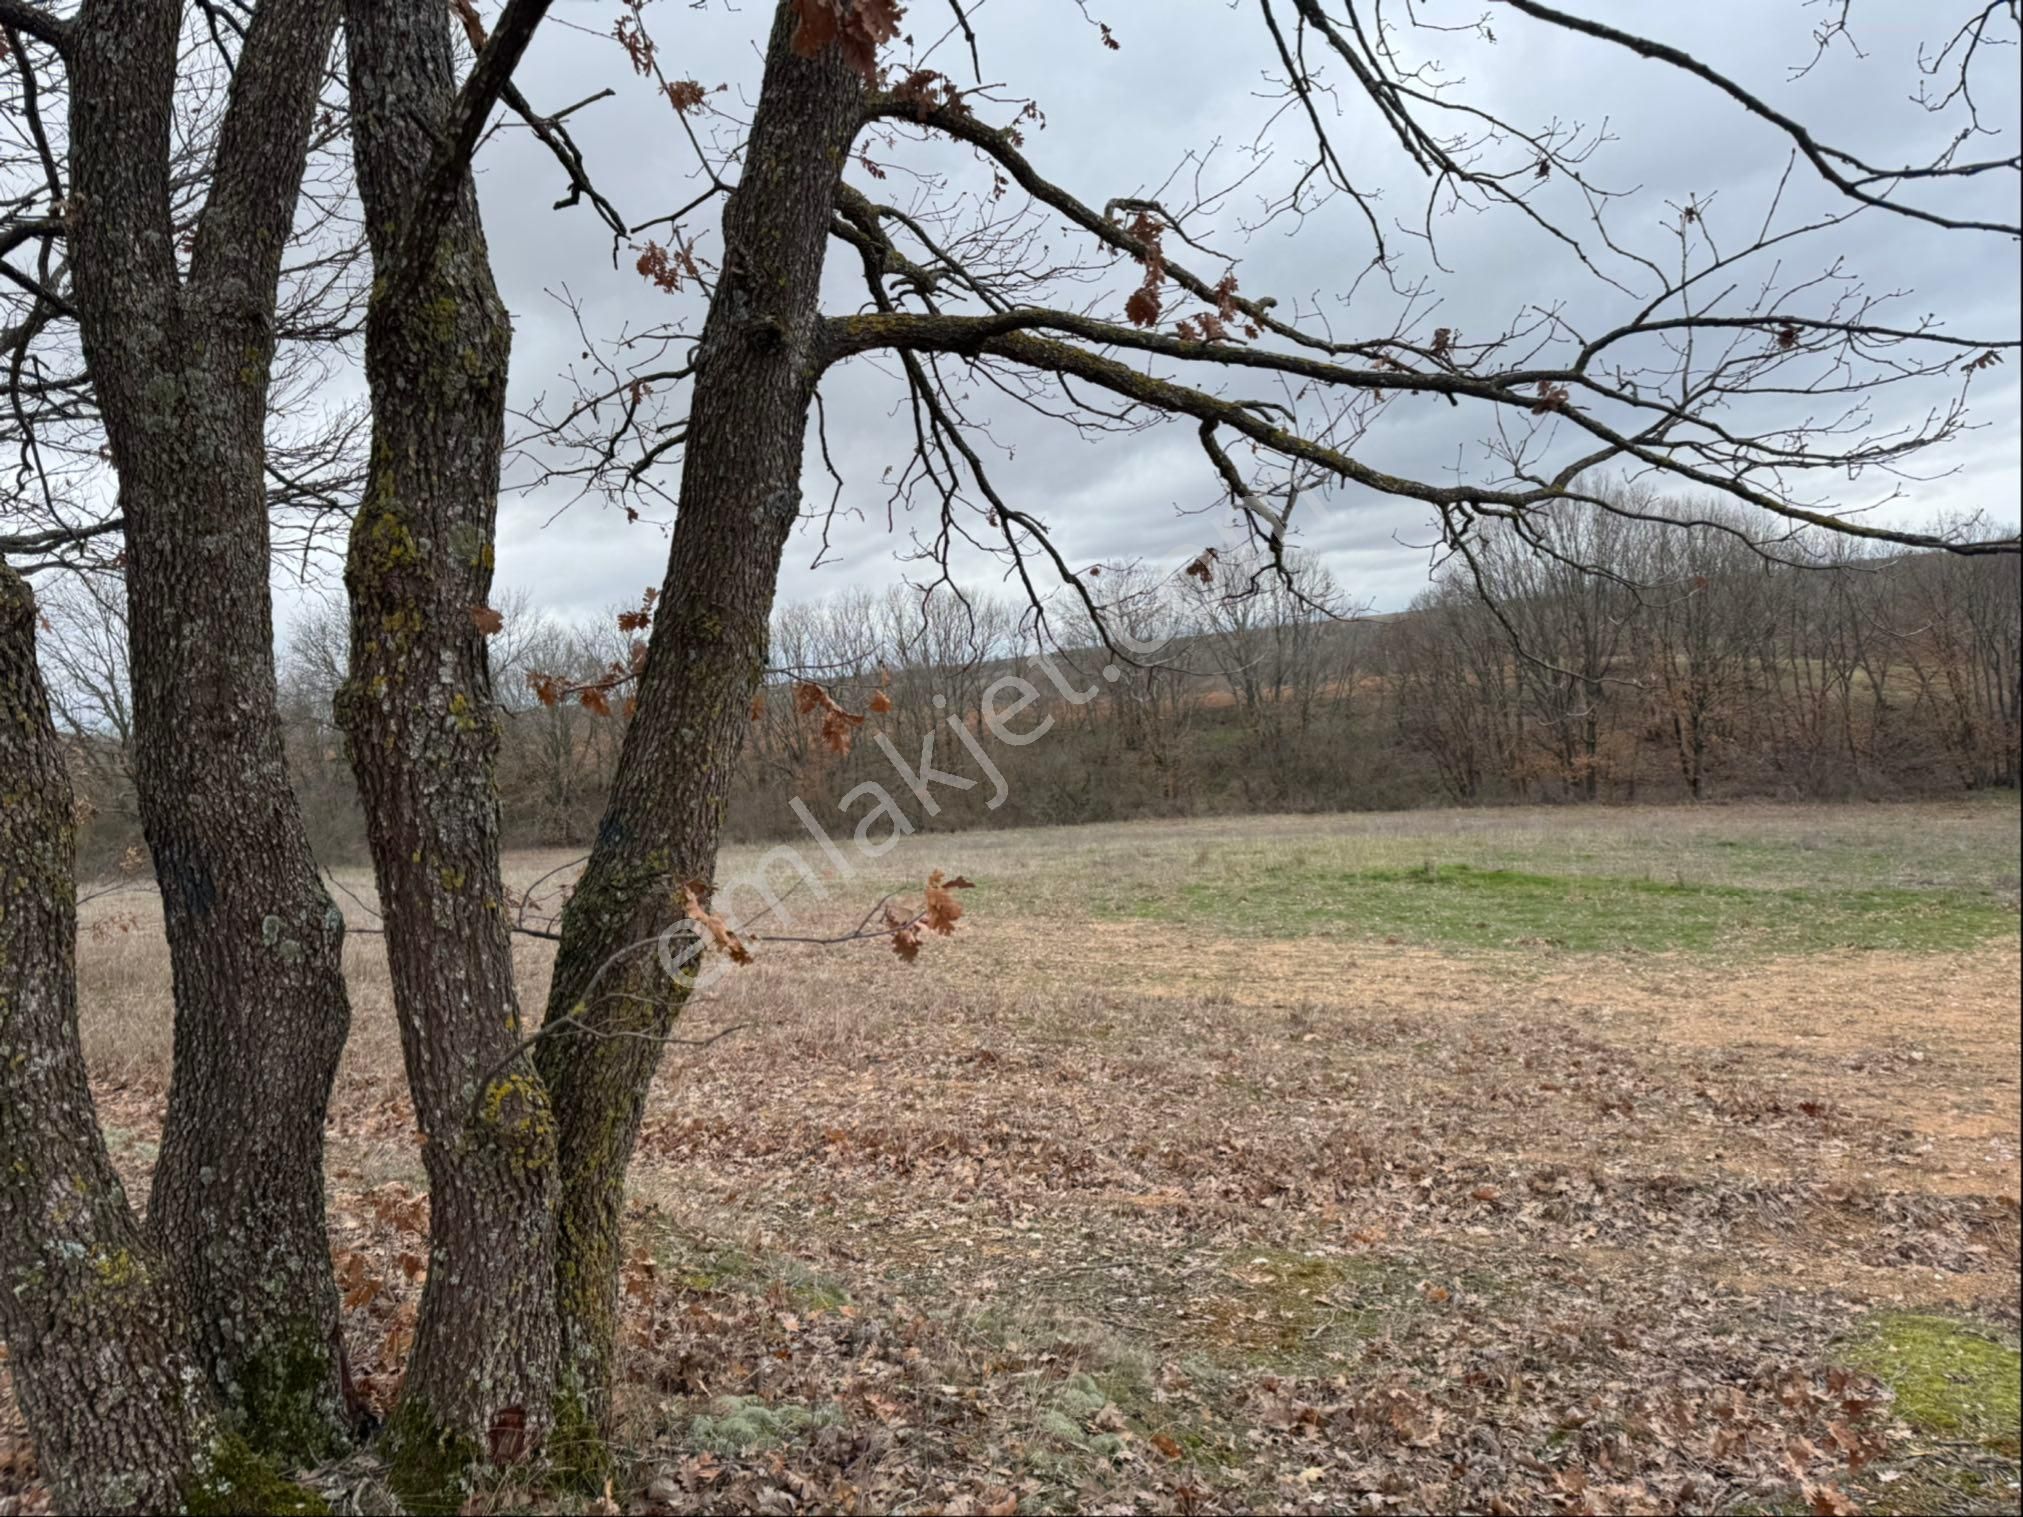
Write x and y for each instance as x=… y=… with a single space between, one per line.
x=98 y=1341
x=740 y=496
x=181 y=372
x=417 y=710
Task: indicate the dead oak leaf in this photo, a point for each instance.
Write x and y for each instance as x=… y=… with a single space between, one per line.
x=905 y=932
x=714 y=927
x=943 y=909
x=839 y=726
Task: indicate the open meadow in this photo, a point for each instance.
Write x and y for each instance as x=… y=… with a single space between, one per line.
x=1522 y=1160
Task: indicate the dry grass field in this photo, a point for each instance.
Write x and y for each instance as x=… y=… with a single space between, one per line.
x=1535 y=1160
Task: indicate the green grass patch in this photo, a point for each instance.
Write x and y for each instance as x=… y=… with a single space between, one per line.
x=1465 y=905
x=744 y=1423
x=1951 y=1381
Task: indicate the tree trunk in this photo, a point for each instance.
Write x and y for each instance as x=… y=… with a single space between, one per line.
x=740 y=496
x=97 y=1339
x=181 y=373
x=418 y=712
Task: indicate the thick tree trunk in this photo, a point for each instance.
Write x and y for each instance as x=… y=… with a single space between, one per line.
x=740 y=496
x=97 y=1339
x=418 y=713
x=181 y=373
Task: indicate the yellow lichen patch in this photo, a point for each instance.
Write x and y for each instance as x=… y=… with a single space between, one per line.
x=119 y=1270
x=515 y=1113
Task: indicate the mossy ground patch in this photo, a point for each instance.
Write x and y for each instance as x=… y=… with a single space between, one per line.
x=1951 y=1380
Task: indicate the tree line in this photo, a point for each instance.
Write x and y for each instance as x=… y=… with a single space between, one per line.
x=1633 y=662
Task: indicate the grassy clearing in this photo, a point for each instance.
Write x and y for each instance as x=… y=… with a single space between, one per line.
x=1459 y=905
x=1970 y=847
x=1747 y=880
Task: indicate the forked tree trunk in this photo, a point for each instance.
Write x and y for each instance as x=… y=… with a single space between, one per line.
x=181 y=371
x=740 y=496
x=417 y=710
x=97 y=1340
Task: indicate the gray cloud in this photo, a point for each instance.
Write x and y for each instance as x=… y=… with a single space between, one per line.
x=1191 y=76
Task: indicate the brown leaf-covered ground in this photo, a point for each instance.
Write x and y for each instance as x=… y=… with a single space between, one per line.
x=1127 y=1209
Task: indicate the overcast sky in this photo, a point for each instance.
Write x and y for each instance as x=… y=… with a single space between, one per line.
x=1190 y=75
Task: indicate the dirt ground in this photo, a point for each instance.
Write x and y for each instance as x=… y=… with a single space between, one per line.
x=1137 y=1215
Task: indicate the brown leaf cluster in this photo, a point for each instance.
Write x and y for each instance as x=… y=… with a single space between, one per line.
x=943 y=909
x=594 y=695
x=927 y=89
x=1551 y=397
x=905 y=930
x=857 y=27
x=1214 y=326
x=632 y=37
x=640 y=620
x=940 y=914
x=667 y=268
x=839 y=726
x=1143 y=307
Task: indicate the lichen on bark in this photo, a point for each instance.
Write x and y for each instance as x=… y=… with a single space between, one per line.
x=100 y=1342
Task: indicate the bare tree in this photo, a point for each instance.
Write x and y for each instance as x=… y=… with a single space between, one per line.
x=1455 y=691
x=179 y=320
x=1694 y=632
x=177 y=328
x=102 y=1350
x=418 y=708
x=1959 y=637
x=1273 y=630
x=84 y=645
x=58 y=497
